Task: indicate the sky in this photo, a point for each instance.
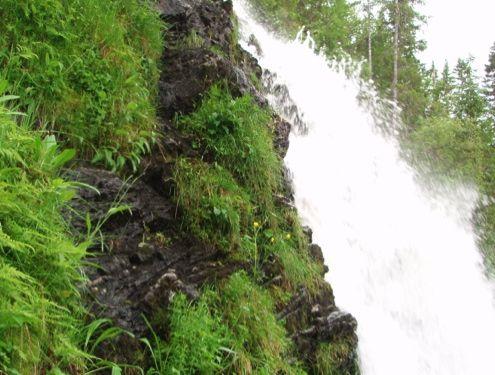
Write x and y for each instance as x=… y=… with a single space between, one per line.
x=458 y=28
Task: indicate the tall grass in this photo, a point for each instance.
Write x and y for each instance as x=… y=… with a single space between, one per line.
x=215 y=208
x=40 y=306
x=235 y=133
x=86 y=69
x=261 y=344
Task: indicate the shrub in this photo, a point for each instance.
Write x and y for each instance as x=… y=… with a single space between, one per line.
x=86 y=69
x=452 y=147
x=40 y=306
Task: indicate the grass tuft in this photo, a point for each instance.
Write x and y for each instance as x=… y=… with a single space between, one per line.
x=261 y=343
x=215 y=208
x=235 y=134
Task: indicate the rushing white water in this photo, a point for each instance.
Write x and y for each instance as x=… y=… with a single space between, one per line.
x=403 y=262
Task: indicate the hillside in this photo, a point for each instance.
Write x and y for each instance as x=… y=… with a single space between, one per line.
x=147 y=220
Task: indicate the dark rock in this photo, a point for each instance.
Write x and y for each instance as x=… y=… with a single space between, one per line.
x=138 y=272
x=314 y=319
x=173 y=9
x=316 y=253
x=308 y=232
x=281 y=138
x=189 y=71
x=335 y=325
x=252 y=41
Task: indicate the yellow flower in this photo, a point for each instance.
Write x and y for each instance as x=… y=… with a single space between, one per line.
x=256 y=224
x=272 y=239
x=288 y=236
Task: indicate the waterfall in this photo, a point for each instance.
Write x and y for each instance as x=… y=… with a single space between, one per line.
x=402 y=260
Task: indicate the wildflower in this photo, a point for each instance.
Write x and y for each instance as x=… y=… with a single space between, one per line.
x=256 y=224
x=272 y=240
x=288 y=236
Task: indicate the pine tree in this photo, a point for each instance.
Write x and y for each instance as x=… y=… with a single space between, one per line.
x=489 y=84
x=469 y=101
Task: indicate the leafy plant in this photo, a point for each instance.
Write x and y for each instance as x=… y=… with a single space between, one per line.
x=87 y=70
x=198 y=342
x=260 y=341
x=40 y=305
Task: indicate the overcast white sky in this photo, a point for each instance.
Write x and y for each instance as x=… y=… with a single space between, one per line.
x=458 y=28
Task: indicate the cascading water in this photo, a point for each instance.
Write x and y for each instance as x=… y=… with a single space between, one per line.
x=402 y=261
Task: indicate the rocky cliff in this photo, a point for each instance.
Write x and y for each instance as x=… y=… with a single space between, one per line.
x=149 y=256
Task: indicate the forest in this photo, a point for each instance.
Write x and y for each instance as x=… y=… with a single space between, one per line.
x=135 y=161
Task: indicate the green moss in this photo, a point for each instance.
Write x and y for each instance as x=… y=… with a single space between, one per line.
x=86 y=69
x=214 y=207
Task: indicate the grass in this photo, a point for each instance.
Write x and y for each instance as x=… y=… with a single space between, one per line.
x=86 y=69
x=231 y=329
x=40 y=306
x=198 y=341
x=235 y=134
x=261 y=343
x=215 y=208
x=228 y=199
x=333 y=359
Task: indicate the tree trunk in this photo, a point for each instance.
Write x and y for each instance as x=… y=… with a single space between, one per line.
x=370 y=55
x=396 y=51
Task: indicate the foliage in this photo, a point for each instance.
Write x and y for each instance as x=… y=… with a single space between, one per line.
x=469 y=102
x=489 y=84
x=214 y=207
x=234 y=133
x=198 y=341
x=332 y=359
x=455 y=148
x=86 y=69
x=40 y=306
x=260 y=341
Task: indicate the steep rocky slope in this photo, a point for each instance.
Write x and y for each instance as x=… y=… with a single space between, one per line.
x=148 y=254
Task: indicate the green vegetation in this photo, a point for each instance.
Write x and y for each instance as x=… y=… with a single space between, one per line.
x=215 y=208
x=86 y=73
x=236 y=135
x=261 y=344
x=86 y=69
x=454 y=148
x=229 y=199
x=333 y=359
x=232 y=329
x=40 y=306
x=199 y=341
x=230 y=202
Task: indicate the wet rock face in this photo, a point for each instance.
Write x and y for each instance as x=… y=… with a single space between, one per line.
x=201 y=52
x=146 y=258
x=143 y=263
